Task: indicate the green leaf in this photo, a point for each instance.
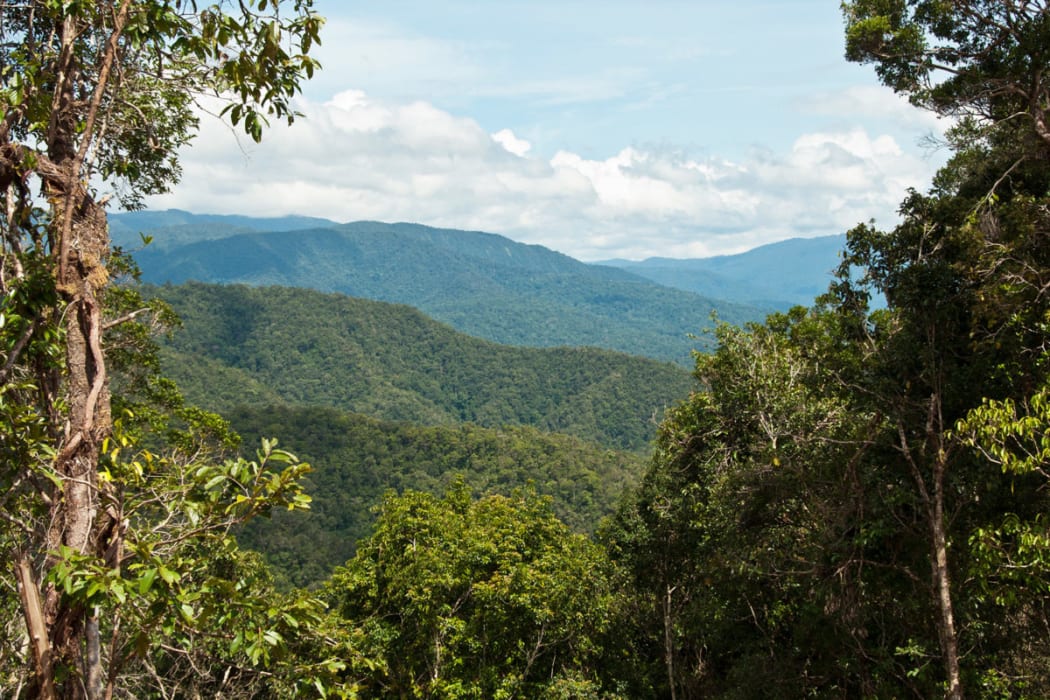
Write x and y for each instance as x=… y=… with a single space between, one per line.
x=146 y=580
x=170 y=577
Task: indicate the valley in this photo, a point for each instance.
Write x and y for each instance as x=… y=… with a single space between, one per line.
x=290 y=330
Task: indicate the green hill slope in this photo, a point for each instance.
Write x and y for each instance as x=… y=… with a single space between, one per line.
x=479 y=283
x=300 y=347
x=356 y=459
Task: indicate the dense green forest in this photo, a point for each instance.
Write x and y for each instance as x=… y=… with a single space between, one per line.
x=297 y=346
x=356 y=459
x=852 y=501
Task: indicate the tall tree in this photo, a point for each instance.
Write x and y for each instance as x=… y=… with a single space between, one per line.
x=97 y=97
x=748 y=538
x=966 y=271
x=873 y=481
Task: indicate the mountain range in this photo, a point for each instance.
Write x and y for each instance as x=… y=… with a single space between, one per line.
x=483 y=284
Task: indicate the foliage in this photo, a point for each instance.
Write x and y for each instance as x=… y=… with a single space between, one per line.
x=183 y=593
x=107 y=533
x=982 y=60
x=356 y=459
x=856 y=505
x=459 y=598
x=853 y=505
x=783 y=524
x=1011 y=552
x=747 y=539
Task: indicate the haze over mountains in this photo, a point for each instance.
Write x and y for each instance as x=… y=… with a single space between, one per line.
x=484 y=284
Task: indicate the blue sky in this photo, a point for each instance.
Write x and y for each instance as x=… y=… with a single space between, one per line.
x=600 y=129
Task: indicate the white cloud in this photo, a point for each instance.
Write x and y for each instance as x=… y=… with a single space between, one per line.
x=354 y=157
x=507 y=139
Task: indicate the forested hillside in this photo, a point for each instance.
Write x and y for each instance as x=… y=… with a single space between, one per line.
x=250 y=344
x=355 y=459
x=481 y=284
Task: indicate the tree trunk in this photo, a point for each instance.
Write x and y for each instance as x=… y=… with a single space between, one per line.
x=934 y=506
x=75 y=509
x=669 y=638
x=38 y=639
x=946 y=624
x=80 y=246
x=78 y=399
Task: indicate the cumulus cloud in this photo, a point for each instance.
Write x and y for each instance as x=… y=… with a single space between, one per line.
x=354 y=157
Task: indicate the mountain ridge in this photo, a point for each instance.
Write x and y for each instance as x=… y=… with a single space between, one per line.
x=481 y=284
x=781 y=274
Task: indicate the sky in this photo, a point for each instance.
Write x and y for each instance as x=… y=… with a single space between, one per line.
x=612 y=129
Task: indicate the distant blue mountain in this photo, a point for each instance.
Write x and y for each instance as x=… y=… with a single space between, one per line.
x=124 y=224
x=479 y=283
x=169 y=229
x=777 y=275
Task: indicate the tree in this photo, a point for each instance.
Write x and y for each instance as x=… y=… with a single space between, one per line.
x=965 y=271
x=750 y=539
x=908 y=525
x=970 y=58
x=100 y=95
x=461 y=598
